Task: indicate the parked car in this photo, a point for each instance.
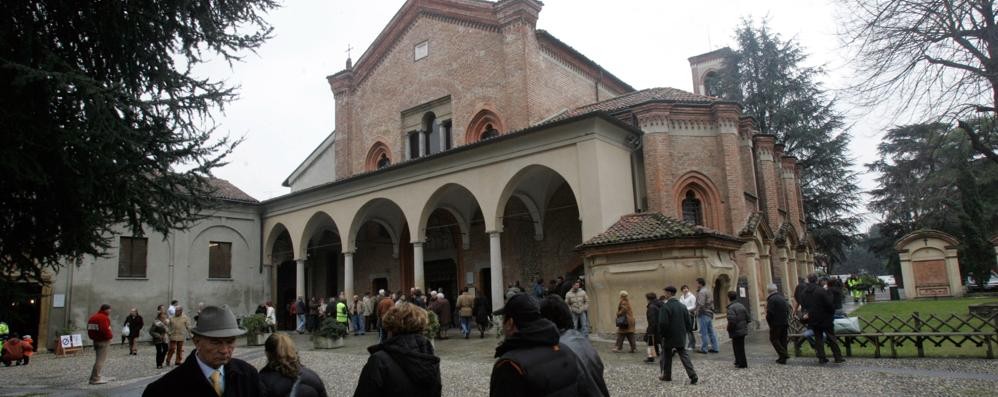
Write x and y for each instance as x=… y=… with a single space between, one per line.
x=990 y=285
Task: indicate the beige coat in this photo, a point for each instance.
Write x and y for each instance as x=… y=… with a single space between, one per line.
x=465 y=304
x=578 y=301
x=180 y=328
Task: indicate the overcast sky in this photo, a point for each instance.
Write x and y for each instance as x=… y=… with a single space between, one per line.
x=286 y=108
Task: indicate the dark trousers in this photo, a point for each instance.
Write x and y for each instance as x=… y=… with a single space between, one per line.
x=684 y=357
x=778 y=337
x=630 y=339
x=819 y=335
x=738 y=343
x=161 y=349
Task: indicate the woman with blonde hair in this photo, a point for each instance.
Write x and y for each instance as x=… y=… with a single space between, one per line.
x=284 y=375
x=625 y=323
x=404 y=364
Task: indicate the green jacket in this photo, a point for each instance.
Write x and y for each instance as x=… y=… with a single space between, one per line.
x=341 y=312
x=674 y=322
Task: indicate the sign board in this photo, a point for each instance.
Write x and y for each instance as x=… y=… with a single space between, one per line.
x=59 y=300
x=69 y=344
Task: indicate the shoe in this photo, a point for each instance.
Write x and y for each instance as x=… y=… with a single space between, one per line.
x=713 y=351
x=649 y=359
x=781 y=361
x=98 y=382
x=664 y=378
x=840 y=360
x=701 y=352
x=615 y=350
x=694 y=380
x=633 y=351
x=822 y=361
x=741 y=366
x=159 y=367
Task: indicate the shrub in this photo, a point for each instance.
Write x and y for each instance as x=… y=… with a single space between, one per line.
x=255 y=324
x=331 y=329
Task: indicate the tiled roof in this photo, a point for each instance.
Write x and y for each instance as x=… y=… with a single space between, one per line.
x=660 y=94
x=648 y=226
x=227 y=191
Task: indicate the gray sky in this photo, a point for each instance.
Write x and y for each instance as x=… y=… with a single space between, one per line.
x=285 y=107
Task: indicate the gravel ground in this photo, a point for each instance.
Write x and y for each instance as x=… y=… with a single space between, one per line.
x=466 y=366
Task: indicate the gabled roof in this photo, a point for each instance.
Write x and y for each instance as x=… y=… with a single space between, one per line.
x=225 y=190
x=718 y=53
x=583 y=62
x=650 y=226
x=318 y=151
x=648 y=95
x=753 y=223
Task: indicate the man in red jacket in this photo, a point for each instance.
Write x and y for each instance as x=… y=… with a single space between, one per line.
x=99 y=331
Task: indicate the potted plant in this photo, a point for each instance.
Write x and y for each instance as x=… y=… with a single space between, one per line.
x=256 y=329
x=329 y=335
x=433 y=327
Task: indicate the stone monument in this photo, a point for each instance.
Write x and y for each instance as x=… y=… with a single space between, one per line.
x=929 y=264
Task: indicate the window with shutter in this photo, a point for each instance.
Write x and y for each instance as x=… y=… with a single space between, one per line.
x=219 y=259
x=132 y=257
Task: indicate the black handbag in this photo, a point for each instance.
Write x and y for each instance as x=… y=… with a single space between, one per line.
x=622 y=321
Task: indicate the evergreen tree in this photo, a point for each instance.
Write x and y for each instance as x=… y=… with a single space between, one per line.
x=104 y=121
x=768 y=76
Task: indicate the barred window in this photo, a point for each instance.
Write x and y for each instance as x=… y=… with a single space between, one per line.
x=692 y=209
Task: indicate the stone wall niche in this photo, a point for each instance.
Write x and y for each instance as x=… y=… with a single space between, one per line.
x=929 y=265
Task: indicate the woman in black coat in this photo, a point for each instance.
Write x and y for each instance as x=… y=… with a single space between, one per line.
x=482 y=310
x=404 y=364
x=284 y=375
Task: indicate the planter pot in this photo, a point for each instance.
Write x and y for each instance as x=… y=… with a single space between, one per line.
x=320 y=342
x=871 y=297
x=256 y=339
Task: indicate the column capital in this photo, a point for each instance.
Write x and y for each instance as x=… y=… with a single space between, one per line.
x=418 y=243
x=493 y=232
x=299 y=260
x=350 y=253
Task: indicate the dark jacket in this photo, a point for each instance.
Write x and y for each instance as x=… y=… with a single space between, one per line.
x=819 y=306
x=277 y=385
x=134 y=324
x=533 y=363
x=777 y=310
x=241 y=379
x=651 y=314
x=591 y=382
x=482 y=310
x=738 y=319
x=404 y=365
x=441 y=307
x=674 y=322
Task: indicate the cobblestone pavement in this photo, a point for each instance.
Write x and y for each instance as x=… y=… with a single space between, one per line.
x=466 y=365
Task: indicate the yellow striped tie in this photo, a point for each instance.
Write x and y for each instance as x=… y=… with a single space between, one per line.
x=216 y=382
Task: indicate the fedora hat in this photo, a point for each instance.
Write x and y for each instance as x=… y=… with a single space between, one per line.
x=217 y=322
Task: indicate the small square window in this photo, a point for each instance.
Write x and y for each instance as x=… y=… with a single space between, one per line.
x=421 y=50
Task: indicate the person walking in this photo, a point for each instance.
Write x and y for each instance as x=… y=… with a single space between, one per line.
x=465 y=309
x=158 y=332
x=820 y=318
x=578 y=302
x=210 y=370
x=134 y=323
x=99 y=331
x=483 y=313
x=625 y=328
x=738 y=319
x=531 y=361
x=444 y=315
x=271 y=317
x=180 y=329
x=651 y=315
x=405 y=363
x=591 y=381
x=778 y=319
x=285 y=373
x=300 y=311
x=690 y=301
x=705 y=317
x=674 y=323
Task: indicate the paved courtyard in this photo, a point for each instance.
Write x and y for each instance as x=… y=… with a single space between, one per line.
x=466 y=365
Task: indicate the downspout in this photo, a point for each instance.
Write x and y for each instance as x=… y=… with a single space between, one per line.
x=635 y=149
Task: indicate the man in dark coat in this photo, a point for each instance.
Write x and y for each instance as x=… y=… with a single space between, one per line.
x=591 y=382
x=211 y=370
x=674 y=323
x=531 y=360
x=778 y=319
x=821 y=314
x=738 y=318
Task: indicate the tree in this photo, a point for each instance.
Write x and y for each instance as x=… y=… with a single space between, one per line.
x=105 y=123
x=766 y=74
x=936 y=56
x=931 y=178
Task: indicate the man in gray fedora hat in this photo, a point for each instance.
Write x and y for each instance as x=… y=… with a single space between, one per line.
x=211 y=369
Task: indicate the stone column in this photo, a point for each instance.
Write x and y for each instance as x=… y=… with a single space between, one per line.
x=299 y=278
x=754 y=292
x=417 y=264
x=348 y=274
x=495 y=270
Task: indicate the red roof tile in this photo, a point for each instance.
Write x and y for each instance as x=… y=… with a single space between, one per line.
x=648 y=226
x=225 y=190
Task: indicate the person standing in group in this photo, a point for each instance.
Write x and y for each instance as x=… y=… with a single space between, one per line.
x=404 y=364
x=465 y=309
x=384 y=305
x=271 y=315
x=778 y=319
x=591 y=382
x=821 y=312
x=180 y=328
x=531 y=361
x=342 y=315
x=158 y=332
x=300 y=311
x=134 y=323
x=674 y=322
x=578 y=302
x=690 y=301
x=738 y=319
x=172 y=310
x=210 y=370
x=625 y=329
x=284 y=372
x=483 y=313
x=705 y=317
x=368 y=313
x=357 y=315
x=651 y=315
x=13 y=351
x=444 y=314
x=99 y=331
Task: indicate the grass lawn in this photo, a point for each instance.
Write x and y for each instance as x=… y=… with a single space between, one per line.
x=941 y=308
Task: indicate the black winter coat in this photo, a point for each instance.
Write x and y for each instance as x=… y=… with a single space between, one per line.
x=674 y=322
x=777 y=310
x=241 y=379
x=404 y=365
x=134 y=324
x=819 y=305
x=533 y=363
x=738 y=319
x=277 y=385
x=651 y=314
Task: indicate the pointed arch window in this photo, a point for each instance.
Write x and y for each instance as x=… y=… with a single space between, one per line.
x=490 y=132
x=692 y=209
x=384 y=161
